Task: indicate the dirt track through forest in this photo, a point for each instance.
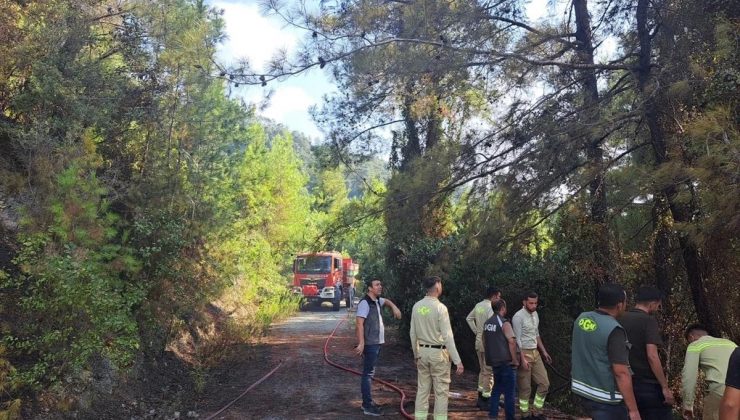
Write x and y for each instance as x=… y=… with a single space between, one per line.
x=305 y=387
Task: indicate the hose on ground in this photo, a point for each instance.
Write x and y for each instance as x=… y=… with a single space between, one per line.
x=212 y=416
x=358 y=373
x=561 y=387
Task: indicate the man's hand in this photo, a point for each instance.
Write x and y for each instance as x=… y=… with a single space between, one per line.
x=396 y=312
x=359 y=349
x=525 y=363
x=546 y=356
x=635 y=415
x=459 y=369
x=668 y=395
x=688 y=413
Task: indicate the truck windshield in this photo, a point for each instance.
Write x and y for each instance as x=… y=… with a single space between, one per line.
x=313 y=264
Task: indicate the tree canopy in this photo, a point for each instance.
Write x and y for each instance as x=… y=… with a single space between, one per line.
x=141 y=202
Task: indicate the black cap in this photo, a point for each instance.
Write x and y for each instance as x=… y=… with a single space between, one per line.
x=648 y=294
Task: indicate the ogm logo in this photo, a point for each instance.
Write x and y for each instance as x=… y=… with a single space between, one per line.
x=424 y=310
x=588 y=324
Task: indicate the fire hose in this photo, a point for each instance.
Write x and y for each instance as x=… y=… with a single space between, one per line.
x=358 y=373
x=259 y=381
x=326 y=358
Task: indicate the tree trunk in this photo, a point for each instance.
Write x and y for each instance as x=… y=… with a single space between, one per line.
x=697 y=266
x=594 y=151
x=661 y=244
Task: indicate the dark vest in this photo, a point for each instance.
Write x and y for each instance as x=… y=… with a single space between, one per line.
x=495 y=343
x=372 y=322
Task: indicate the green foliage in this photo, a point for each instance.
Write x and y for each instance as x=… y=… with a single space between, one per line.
x=77 y=285
x=10 y=408
x=148 y=193
x=150 y=197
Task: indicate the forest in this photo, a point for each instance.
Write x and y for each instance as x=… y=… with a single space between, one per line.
x=146 y=209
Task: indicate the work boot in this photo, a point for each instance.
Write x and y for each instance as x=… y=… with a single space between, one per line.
x=482 y=402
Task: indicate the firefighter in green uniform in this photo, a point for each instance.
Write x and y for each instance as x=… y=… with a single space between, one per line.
x=600 y=372
x=433 y=345
x=475 y=319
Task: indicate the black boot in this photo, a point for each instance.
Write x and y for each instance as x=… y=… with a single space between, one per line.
x=482 y=402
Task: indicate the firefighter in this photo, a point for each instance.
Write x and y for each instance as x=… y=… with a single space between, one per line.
x=526 y=324
x=476 y=318
x=711 y=355
x=433 y=345
x=600 y=372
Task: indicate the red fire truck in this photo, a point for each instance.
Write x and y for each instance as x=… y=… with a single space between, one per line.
x=324 y=277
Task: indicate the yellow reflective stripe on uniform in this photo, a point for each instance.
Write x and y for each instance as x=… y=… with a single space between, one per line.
x=421 y=414
x=539 y=401
x=485 y=394
x=702 y=346
x=440 y=417
x=524 y=405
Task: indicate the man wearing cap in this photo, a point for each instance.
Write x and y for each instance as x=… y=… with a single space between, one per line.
x=370 y=335
x=433 y=345
x=654 y=397
x=712 y=356
x=476 y=318
x=600 y=372
x=526 y=324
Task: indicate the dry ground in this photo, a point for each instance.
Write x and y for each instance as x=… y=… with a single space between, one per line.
x=305 y=387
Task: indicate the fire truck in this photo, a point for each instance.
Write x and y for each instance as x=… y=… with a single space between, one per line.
x=324 y=277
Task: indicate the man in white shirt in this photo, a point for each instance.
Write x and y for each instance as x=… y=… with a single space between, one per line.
x=370 y=333
x=526 y=324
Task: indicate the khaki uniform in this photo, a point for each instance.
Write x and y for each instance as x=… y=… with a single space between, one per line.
x=476 y=318
x=712 y=356
x=526 y=327
x=430 y=326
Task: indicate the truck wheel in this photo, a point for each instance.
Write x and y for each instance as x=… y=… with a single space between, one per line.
x=303 y=304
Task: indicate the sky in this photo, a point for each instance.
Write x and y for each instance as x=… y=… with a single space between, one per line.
x=256 y=37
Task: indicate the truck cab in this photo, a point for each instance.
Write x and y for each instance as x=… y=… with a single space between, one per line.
x=319 y=277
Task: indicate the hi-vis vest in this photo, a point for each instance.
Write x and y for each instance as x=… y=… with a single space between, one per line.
x=591 y=372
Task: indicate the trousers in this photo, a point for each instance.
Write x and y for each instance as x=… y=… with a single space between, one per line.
x=485 y=376
x=504 y=384
x=650 y=400
x=603 y=411
x=712 y=403
x=370 y=358
x=536 y=372
x=433 y=373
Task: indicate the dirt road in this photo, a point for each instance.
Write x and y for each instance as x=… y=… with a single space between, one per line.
x=306 y=387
